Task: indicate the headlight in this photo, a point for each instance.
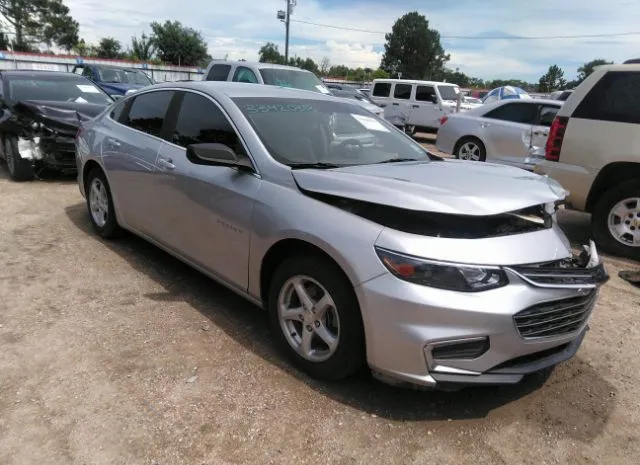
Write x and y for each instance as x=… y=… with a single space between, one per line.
x=449 y=276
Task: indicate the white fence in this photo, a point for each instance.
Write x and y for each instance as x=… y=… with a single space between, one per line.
x=41 y=61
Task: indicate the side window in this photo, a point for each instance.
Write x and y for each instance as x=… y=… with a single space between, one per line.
x=116 y=113
x=381 y=89
x=402 y=91
x=515 y=112
x=201 y=121
x=547 y=115
x=425 y=94
x=616 y=97
x=86 y=72
x=218 y=73
x=148 y=111
x=244 y=74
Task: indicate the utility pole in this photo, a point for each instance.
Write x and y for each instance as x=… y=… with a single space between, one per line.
x=285 y=17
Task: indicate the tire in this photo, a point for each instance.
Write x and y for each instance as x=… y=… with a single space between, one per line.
x=19 y=169
x=410 y=130
x=104 y=222
x=348 y=356
x=470 y=141
x=604 y=207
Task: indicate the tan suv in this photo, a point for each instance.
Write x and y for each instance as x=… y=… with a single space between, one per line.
x=593 y=150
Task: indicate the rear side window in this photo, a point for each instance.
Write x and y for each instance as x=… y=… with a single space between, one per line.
x=402 y=91
x=515 y=112
x=547 y=115
x=116 y=113
x=425 y=93
x=218 y=73
x=201 y=121
x=244 y=74
x=381 y=89
x=616 y=97
x=147 y=112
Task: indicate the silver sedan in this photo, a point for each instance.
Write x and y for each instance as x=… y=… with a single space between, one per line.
x=512 y=132
x=365 y=249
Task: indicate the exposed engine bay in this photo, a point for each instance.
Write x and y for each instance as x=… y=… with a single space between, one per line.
x=43 y=132
x=530 y=219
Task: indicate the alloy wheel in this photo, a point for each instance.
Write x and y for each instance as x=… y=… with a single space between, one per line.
x=624 y=222
x=99 y=202
x=469 y=151
x=308 y=318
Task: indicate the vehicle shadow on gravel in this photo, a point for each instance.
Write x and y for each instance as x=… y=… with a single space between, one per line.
x=43 y=176
x=575 y=399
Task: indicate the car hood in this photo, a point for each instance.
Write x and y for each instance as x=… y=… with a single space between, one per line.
x=447 y=186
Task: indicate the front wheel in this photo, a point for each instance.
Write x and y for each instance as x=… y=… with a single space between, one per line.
x=20 y=169
x=615 y=221
x=315 y=317
x=470 y=148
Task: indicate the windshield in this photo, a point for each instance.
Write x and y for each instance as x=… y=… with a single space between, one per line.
x=295 y=78
x=305 y=131
x=58 y=90
x=448 y=92
x=124 y=76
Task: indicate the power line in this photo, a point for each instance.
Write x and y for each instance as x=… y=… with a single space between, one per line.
x=579 y=36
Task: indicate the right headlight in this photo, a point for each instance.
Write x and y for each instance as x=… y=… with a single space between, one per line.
x=448 y=276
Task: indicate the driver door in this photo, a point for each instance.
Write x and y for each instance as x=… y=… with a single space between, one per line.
x=425 y=110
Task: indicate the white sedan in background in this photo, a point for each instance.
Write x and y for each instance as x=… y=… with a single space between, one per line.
x=512 y=132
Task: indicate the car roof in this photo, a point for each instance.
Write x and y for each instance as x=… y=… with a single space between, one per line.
x=622 y=67
x=416 y=81
x=40 y=73
x=256 y=64
x=240 y=89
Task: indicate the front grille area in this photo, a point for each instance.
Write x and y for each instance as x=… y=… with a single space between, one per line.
x=563 y=273
x=555 y=318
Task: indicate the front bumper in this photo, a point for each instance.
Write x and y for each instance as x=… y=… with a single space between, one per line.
x=405 y=322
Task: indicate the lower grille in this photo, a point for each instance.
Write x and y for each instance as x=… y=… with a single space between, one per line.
x=554 y=318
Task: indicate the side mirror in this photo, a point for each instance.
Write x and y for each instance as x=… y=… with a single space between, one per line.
x=434 y=99
x=116 y=96
x=215 y=154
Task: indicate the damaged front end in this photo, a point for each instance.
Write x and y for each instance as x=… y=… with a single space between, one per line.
x=44 y=132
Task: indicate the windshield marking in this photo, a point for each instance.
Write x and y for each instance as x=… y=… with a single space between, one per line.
x=278 y=108
x=369 y=123
x=87 y=89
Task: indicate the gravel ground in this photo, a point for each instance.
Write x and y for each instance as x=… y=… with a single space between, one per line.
x=115 y=353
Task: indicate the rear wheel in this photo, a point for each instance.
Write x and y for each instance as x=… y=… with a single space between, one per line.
x=470 y=148
x=615 y=221
x=315 y=317
x=19 y=168
x=100 y=205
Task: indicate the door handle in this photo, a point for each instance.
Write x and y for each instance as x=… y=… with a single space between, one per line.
x=415 y=106
x=540 y=133
x=166 y=163
x=395 y=104
x=484 y=125
x=113 y=142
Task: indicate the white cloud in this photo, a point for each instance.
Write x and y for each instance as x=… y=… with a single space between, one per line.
x=238 y=28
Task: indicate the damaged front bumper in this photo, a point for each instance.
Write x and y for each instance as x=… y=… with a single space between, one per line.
x=423 y=336
x=55 y=152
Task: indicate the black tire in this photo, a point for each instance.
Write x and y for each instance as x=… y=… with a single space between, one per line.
x=19 y=169
x=110 y=229
x=349 y=356
x=410 y=130
x=600 y=217
x=474 y=140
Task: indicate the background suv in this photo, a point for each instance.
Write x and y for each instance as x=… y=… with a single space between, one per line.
x=593 y=150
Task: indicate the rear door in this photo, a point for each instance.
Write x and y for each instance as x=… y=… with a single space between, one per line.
x=540 y=133
x=507 y=130
x=129 y=152
x=401 y=100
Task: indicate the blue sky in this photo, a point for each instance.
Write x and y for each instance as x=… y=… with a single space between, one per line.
x=238 y=28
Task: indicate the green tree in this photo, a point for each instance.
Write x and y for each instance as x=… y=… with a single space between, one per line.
x=39 y=21
x=413 y=49
x=142 y=48
x=585 y=70
x=324 y=66
x=380 y=74
x=177 y=44
x=553 y=80
x=338 y=71
x=456 y=77
x=4 y=42
x=269 y=53
x=108 y=47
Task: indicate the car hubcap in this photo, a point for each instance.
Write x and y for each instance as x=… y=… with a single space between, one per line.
x=308 y=318
x=469 y=151
x=624 y=222
x=98 y=202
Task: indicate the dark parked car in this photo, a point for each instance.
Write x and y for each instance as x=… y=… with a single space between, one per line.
x=41 y=112
x=114 y=80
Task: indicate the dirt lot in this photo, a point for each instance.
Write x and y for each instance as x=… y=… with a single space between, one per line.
x=115 y=353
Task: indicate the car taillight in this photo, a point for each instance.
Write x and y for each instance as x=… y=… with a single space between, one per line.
x=556 y=135
x=443 y=120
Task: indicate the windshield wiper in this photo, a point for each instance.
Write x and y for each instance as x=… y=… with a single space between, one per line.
x=318 y=165
x=397 y=160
